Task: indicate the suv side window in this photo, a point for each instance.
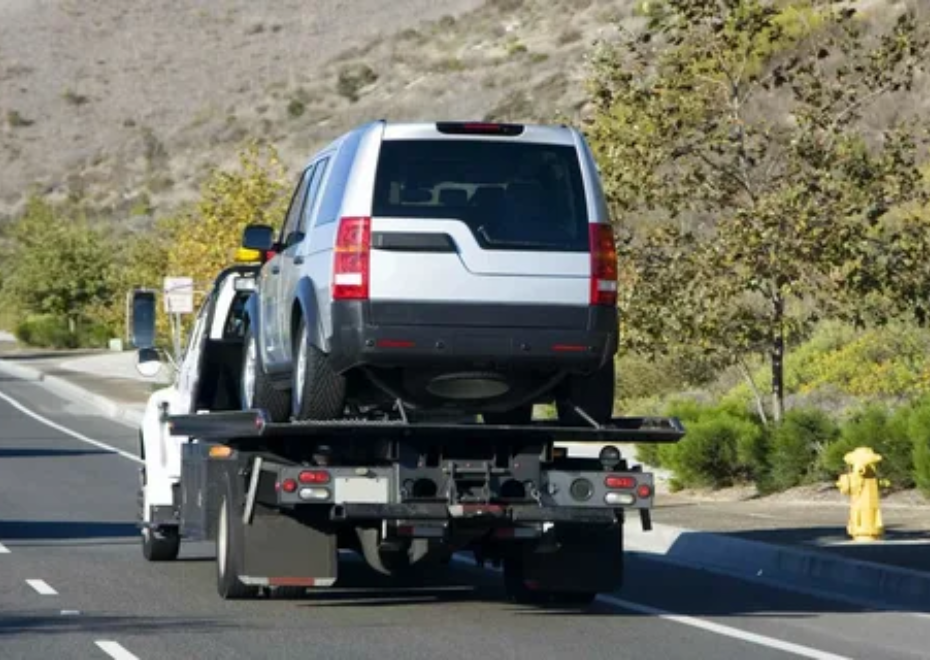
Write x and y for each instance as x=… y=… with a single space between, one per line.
x=319 y=171
x=290 y=232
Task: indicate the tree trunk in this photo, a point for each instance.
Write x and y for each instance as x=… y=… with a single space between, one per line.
x=778 y=358
x=756 y=394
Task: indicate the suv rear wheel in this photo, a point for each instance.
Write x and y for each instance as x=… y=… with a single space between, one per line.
x=593 y=393
x=318 y=392
x=255 y=390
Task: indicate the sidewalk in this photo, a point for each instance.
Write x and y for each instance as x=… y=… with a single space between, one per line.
x=796 y=539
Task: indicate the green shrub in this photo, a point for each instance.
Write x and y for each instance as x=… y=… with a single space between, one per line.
x=93 y=335
x=648 y=453
x=722 y=446
x=352 y=78
x=796 y=446
x=887 y=434
x=919 y=431
x=44 y=331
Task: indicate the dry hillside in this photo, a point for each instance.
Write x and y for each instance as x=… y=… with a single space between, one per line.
x=128 y=104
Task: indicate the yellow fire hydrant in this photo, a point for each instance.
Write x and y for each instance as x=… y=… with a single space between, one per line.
x=861 y=483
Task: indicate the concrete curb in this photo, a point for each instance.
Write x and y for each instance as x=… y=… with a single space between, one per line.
x=788 y=566
x=126 y=413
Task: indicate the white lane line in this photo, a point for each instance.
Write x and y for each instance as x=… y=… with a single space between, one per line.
x=115 y=650
x=726 y=631
x=63 y=429
x=709 y=626
x=42 y=587
x=4 y=550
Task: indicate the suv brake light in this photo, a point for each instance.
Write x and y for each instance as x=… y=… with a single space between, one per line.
x=352 y=259
x=478 y=128
x=603 y=265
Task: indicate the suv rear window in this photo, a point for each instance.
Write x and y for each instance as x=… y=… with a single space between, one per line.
x=513 y=195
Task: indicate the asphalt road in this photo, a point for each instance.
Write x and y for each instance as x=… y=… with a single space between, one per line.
x=73 y=584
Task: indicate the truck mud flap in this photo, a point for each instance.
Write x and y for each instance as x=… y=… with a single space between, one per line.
x=587 y=559
x=281 y=551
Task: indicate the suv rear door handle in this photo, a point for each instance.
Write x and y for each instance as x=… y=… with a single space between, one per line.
x=298 y=260
x=275 y=270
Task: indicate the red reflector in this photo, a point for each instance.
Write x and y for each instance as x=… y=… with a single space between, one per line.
x=569 y=348
x=289 y=485
x=644 y=491
x=603 y=264
x=352 y=259
x=394 y=343
x=314 y=477
x=616 y=481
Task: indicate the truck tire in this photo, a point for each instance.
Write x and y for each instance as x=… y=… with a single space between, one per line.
x=593 y=393
x=230 y=539
x=318 y=392
x=164 y=545
x=255 y=389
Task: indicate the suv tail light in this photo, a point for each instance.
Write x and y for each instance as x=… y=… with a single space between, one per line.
x=603 y=265
x=352 y=259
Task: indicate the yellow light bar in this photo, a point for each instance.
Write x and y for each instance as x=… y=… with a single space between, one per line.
x=245 y=255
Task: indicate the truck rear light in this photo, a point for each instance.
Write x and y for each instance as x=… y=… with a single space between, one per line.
x=581 y=489
x=603 y=264
x=318 y=494
x=644 y=491
x=618 y=482
x=352 y=259
x=289 y=485
x=313 y=477
x=619 y=498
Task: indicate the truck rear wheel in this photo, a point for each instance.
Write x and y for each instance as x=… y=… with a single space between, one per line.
x=164 y=545
x=230 y=542
x=593 y=393
x=318 y=392
x=255 y=389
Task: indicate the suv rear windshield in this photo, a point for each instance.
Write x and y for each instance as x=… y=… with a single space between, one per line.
x=513 y=195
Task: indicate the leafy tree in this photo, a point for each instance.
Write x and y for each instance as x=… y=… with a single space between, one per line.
x=201 y=241
x=57 y=262
x=751 y=196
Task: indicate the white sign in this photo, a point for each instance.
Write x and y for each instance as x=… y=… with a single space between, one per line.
x=179 y=295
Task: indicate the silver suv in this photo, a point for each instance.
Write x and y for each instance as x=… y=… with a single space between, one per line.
x=467 y=267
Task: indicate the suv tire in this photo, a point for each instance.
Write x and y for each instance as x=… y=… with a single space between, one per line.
x=263 y=394
x=593 y=393
x=318 y=392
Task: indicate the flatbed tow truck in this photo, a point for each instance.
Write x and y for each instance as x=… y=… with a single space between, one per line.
x=282 y=499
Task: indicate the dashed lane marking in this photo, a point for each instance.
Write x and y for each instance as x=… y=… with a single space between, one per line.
x=42 y=587
x=115 y=650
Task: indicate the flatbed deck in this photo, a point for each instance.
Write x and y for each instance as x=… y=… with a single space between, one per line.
x=235 y=427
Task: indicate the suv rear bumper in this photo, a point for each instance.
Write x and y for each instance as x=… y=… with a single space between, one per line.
x=550 y=338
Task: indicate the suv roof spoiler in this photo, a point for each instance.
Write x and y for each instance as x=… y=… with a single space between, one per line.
x=478 y=128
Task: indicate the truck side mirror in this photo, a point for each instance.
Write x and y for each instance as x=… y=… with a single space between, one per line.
x=258 y=237
x=142 y=320
x=148 y=362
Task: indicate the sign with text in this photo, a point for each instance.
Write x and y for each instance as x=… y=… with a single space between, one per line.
x=179 y=295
